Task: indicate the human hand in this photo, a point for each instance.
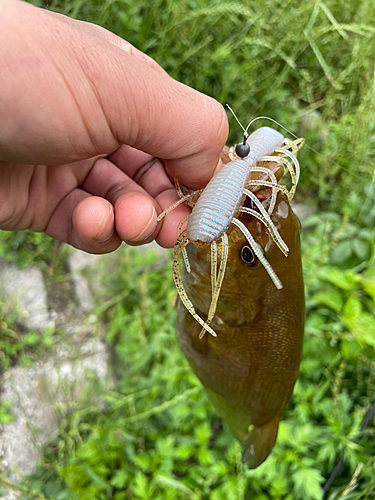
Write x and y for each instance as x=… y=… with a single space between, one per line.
x=84 y=117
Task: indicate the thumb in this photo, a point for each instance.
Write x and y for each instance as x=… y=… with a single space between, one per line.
x=166 y=119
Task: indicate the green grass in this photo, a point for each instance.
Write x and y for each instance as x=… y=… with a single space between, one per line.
x=155 y=436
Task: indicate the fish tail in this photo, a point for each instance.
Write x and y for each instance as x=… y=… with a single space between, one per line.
x=260 y=442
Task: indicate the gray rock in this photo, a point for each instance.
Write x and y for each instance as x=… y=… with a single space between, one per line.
x=91 y=361
x=25 y=290
x=12 y=495
x=35 y=419
x=38 y=394
x=78 y=262
x=83 y=292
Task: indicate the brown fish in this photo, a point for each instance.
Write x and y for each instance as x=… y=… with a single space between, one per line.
x=250 y=368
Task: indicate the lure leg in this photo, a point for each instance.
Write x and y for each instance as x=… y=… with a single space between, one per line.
x=220 y=277
x=272 y=177
x=180 y=193
x=218 y=281
x=177 y=185
x=175 y=205
x=294 y=160
x=181 y=243
x=271 y=228
x=213 y=265
x=186 y=260
x=183 y=199
x=266 y=220
x=258 y=252
x=213 y=282
x=288 y=166
x=184 y=252
x=278 y=187
x=295 y=146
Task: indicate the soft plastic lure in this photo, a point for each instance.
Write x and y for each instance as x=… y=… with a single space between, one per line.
x=221 y=202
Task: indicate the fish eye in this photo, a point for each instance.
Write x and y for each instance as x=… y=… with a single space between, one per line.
x=248 y=256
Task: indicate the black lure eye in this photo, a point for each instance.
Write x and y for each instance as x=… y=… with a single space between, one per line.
x=248 y=257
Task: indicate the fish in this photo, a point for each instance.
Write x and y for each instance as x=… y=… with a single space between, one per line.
x=250 y=368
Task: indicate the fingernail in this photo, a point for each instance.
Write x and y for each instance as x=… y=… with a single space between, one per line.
x=106 y=232
x=148 y=230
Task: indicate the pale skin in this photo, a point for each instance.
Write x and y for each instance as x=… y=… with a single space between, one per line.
x=91 y=133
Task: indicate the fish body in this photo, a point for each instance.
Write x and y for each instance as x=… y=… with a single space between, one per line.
x=250 y=368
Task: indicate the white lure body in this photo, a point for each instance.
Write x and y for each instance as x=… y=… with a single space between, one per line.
x=223 y=195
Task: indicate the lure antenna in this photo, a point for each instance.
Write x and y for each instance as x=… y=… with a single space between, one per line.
x=237 y=120
x=242 y=150
x=282 y=126
x=272 y=120
x=254 y=120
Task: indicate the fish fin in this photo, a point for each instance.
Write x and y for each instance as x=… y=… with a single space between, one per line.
x=260 y=442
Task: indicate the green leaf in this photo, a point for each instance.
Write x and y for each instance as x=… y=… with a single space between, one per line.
x=173 y=483
x=307 y=484
x=165 y=446
x=341 y=252
x=368 y=282
x=205 y=456
x=342 y=279
x=331 y=298
x=31 y=338
x=97 y=479
x=327 y=452
x=141 y=487
x=47 y=341
x=362 y=327
x=366 y=333
x=350 y=348
x=361 y=249
x=203 y=433
x=120 y=479
x=352 y=308
x=279 y=486
x=185 y=451
x=6 y=416
x=365 y=234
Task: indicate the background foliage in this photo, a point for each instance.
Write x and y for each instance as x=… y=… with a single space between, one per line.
x=310 y=66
